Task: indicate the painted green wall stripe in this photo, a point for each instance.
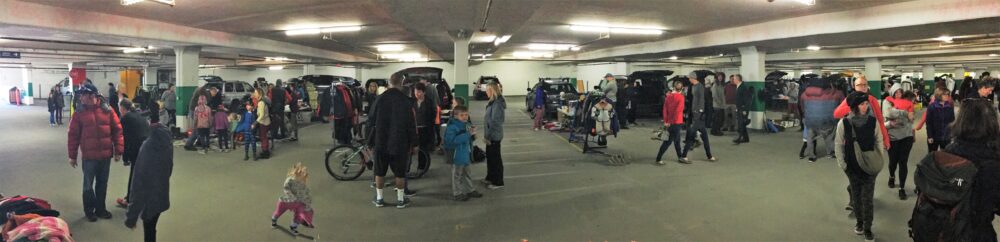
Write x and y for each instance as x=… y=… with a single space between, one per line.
x=462 y=91
x=183 y=98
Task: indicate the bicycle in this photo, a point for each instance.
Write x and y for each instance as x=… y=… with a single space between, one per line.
x=349 y=161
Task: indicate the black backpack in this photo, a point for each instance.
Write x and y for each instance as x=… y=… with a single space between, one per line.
x=944 y=183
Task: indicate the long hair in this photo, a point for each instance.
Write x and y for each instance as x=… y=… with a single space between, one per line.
x=299 y=172
x=494 y=89
x=976 y=122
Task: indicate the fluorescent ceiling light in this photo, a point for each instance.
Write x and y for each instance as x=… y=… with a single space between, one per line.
x=532 y=54
x=275 y=68
x=421 y=59
x=165 y=2
x=575 y=48
x=994 y=55
x=673 y=58
x=389 y=48
x=945 y=38
x=270 y=59
x=306 y=31
x=402 y=56
x=559 y=47
x=618 y=30
x=486 y=39
x=813 y=47
x=501 y=40
x=482 y=55
x=807 y=2
x=136 y=49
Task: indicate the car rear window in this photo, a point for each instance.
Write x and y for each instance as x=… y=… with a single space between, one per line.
x=557 y=88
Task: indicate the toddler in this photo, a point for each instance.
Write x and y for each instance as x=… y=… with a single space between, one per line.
x=295 y=198
x=222 y=128
x=246 y=129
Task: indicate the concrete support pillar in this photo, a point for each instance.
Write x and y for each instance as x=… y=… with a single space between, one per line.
x=928 y=77
x=995 y=72
x=959 y=73
x=752 y=69
x=187 y=80
x=149 y=76
x=308 y=69
x=873 y=72
x=359 y=73
x=461 y=82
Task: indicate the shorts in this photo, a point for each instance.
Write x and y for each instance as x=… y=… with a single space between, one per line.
x=398 y=163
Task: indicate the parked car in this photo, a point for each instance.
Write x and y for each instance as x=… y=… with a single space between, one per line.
x=651 y=86
x=318 y=86
x=435 y=77
x=230 y=89
x=479 y=92
x=552 y=88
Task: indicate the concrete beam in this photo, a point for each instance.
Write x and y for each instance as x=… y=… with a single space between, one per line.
x=873 y=18
x=48 y=17
x=875 y=52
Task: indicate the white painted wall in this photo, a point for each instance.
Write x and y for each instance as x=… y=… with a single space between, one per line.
x=516 y=76
x=272 y=75
x=44 y=79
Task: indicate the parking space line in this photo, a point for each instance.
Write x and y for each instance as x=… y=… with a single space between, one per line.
x=541 y=174
x=536 y=161
x=567 y=142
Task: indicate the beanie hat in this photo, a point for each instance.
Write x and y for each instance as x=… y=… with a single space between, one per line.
x=856 y=98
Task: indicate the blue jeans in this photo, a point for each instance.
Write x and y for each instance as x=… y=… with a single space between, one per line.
x=94 y=194
x=673 y=136
x=52 y=117
x=691 y=133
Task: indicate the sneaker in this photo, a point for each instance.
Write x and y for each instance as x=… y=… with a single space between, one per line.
x=474 y=194
x=121 y=203
x=379 y=203
x=494 y=187
x=660 y=162
x=462 y=198
x=274 y=223
x=713 y=159
x=91 y=218
x=892 y=182
x=902 y=194
x=849 y=207
x=858 y=230
x=103 y=214
x=484 y=181
x=402 y=204
x=869 y=237
x=294 y=229
x=812 y=159
x=409 y=193
x=684 y=160
x=202 y=152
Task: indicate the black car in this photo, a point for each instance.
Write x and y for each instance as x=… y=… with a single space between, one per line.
x=479 y=91
x=650 y=88
x=552 y=88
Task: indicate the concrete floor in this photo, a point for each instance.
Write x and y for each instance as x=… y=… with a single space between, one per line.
x=757 y=192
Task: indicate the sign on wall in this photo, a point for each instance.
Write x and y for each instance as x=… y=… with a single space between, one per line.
x=10 y=54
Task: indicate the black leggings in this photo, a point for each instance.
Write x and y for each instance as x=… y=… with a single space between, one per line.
x=149 y=227
x=938 y=144
x=899 y=154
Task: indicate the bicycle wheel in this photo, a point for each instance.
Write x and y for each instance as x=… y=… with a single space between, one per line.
x=418 y=173
x=345 y=162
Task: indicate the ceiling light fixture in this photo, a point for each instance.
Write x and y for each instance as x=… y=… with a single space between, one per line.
x=390 y=48
x=813 y=47
x=137 y=49
x=273 y=59
x=617 y=30
x=482 y=55
x=533 y=54
x=501 y=40
x=575 y=48
x=402 y=56
x=994 y=55
x=807 y=2
x=486 y=39
x=555 y=47
x=945 y=38
x=276 y=68
x=164 y=2
x=673 y=58
x=307 y=31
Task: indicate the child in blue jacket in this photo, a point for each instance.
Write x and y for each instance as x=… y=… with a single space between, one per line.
x=458 y=137
x=246 y=128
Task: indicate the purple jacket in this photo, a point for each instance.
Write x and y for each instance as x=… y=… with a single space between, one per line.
x=939 y=115
x=221 y=120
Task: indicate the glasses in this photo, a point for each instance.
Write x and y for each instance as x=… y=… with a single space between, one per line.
x=861 y=85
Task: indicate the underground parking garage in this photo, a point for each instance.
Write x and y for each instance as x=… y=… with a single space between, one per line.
x=482 y=120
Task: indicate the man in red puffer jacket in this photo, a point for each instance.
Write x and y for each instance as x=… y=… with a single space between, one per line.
x=96 y=132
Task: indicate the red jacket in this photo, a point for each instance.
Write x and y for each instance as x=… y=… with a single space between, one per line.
x=673 y=108
x=95 y=132
x=843 y=110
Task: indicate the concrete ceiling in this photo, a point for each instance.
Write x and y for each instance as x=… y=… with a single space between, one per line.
x=427 y=26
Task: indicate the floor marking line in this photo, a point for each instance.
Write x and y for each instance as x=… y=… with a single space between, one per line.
x=569 y=143
x=536 y=161
x=541 y=174
x=565 y=190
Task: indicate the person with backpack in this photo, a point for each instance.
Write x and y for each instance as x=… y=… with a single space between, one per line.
x=958 y=196
x=857 y=136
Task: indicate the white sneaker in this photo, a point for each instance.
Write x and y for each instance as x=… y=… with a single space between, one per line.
x=493 y=187
x=660 y=162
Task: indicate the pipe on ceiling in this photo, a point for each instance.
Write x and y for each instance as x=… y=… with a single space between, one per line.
x=486 y=16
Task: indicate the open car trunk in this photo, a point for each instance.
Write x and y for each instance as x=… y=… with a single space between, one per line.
x=650 y=87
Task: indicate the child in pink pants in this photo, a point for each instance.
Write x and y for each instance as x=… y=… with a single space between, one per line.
x=295 y=198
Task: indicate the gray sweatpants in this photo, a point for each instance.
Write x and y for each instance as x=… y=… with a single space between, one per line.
x=461 y=181
x=817 y=134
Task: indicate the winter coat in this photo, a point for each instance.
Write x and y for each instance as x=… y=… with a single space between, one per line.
x=246 y=123
x=457 y=138
x=215 y=101
x=263 y=117
x=731 y=93
x=792 y=92
x=939 y=116
x=818 y=105
x=495 y=117
x=897 y=123
x=202 y=115
x=134 y=130
x=611 y=90
x=874 y=108
x=863 y=132
x=985 y=196
x=673 y=108
x=426 y=113
x=395 y=129
x=340 y=102
x=296 y=191
x=96 y=132
x=901 y=104
x=150 y=192
x=169 y=99
x=718 y=95
x=539 y=98
x=744 y=96
x=221 y=120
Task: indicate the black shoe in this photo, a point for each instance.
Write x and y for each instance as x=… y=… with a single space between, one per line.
x=462 y=198
x=294 y=229
x=103 y=214
x=624 y=127
x=409 y=193
x=812 y=159
x=902 y=194
x=274 y=223
x=190 y=148
x=869 y=237
x=246 y=157
x=892 y=182
x=474 y=194
x=91 y=218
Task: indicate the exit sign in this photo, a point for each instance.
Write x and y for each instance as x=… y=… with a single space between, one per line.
x=10 y=54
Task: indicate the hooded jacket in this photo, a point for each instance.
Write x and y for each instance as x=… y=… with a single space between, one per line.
x=897 y=123
x=874 y=108
x=938 y=116
x=150 y=191
x=395 y=127
x=818 y=105
x=134 y=130
x=985 y=196
x=901 y=104
x=495 y=118
x=457 y=138
x=96 y=132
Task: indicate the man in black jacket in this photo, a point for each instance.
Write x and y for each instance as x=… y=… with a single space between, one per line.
x=278 y=97
x=134 y=129
x=744 y=98
x=394 y=139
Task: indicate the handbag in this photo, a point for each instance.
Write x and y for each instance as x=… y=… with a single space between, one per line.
x=478 y=155
x=870 y=161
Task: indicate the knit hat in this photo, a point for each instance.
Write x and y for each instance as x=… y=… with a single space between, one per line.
x=608 y=75
x=856 y=98
x=87 y=88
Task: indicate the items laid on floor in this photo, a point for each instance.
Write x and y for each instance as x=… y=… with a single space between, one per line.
x=31 y=219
